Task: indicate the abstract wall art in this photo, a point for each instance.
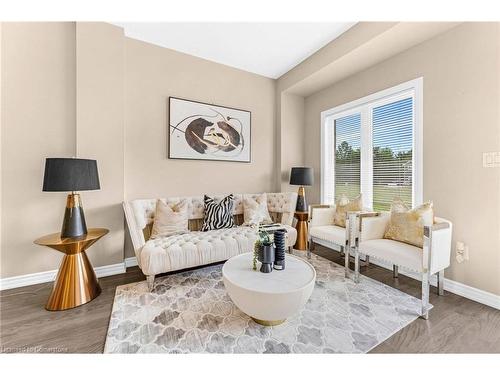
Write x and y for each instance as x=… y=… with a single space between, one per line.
x=203 y=131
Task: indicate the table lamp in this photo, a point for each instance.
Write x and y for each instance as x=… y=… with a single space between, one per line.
x=71 y=175
x=301 y=176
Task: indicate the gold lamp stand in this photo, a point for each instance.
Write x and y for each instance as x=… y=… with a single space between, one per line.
x=76 y=282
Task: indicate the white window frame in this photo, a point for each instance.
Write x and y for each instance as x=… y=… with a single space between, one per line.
x=365 y=105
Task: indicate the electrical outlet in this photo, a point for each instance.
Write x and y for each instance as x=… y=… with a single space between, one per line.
x=491 y=159
x=462 y=252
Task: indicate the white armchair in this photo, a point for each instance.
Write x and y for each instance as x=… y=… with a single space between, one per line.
x=367 y=237
x=323 y=231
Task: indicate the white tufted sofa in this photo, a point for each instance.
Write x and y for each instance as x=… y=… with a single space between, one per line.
x=197 y=248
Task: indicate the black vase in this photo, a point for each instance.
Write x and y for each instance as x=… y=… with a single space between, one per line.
x=266 y=258
x=279 y=243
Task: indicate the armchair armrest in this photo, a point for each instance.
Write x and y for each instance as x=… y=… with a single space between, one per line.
x=354 y=225
x=436 y=226
x=364 y=215
x=321 y=215
x=371 y=225
x=437 y=245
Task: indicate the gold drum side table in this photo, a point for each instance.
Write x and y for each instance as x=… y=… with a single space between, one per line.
x=76 y=282
x=301 y=227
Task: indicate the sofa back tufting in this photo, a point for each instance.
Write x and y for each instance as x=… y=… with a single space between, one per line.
x=139 y=213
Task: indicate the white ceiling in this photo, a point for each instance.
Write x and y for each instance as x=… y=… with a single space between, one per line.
x=268 y=49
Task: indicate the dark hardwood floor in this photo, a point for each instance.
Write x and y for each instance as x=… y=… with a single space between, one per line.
x=456 y=324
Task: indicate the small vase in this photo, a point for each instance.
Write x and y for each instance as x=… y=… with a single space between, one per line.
x=267 y=258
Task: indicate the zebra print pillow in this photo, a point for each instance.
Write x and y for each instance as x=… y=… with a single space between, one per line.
x=218 y=215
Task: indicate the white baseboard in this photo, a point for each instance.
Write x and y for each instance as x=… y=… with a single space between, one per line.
x=130 y=262
x=49 y=276
x=469 y=292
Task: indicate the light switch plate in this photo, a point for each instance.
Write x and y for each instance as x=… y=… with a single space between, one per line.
x=491 y=159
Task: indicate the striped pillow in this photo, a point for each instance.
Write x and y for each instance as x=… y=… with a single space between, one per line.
x=218 y=215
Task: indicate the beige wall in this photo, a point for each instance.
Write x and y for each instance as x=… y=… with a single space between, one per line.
x=152 y=75
x=70 y=105
x=1 y=121
x=461 y=71
x=291 y=138
x=100 y=130
x=95 y=93
x=38 y=121
x=83 y=89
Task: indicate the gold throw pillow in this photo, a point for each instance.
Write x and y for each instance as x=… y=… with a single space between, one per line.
x=343 y=206
x=407 y=225
x=169 y=221
x=255 y=210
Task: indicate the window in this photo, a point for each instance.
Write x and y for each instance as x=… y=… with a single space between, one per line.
x=373 y=146
x=348 y=156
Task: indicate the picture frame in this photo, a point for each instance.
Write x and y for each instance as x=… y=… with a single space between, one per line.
x=204 y=131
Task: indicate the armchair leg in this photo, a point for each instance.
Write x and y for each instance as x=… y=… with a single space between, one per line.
x=440 y=280
x=310 y=247
x=346 y=260
x=425 y=296
x=356 y=265
x=395 y=270
x=290 y=249
x=311 y=244
x=151 y=280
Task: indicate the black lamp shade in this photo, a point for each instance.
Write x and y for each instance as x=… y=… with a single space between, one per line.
x=67 y=174
x=302 y=176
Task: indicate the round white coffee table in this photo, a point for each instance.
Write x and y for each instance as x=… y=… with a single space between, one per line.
x=268 y=298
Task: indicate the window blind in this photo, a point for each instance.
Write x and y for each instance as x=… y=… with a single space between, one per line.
x=348 y=156
x=392 y=127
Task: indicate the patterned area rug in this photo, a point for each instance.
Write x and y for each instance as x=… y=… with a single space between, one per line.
x=190 y=312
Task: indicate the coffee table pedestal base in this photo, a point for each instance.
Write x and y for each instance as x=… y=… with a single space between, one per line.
x=268 y=323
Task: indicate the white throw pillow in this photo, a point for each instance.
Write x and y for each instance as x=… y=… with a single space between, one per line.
x=255 y=210
x=169 y=221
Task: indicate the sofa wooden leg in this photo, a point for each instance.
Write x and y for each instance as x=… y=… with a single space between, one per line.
x=151 y=280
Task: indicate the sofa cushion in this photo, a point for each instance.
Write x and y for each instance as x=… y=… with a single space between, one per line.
x=330 y=233
x=218 y=215
x=255 y=210
x=193 y=249
x=170 y=220
x=395 y=252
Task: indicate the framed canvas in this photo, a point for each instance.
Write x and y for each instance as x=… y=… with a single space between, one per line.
x=203 y=131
